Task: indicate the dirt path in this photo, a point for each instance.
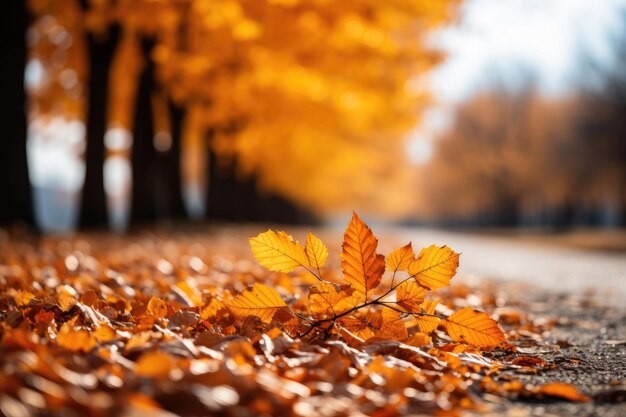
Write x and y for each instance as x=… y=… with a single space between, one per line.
x=547 y=266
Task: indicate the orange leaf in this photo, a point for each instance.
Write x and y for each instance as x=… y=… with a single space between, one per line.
x=277 y=251
x=261 y=301
x=329 y=299
x=475 y=328
x=362 y=267
x=154 y=365
x=385 y=323
x=400 y=259
x=435 y=267
x=75 y=340
x=410 y=296
x=392 y=326
x=561 y=390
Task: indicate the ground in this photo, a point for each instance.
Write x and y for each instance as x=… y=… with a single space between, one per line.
x=559 y=303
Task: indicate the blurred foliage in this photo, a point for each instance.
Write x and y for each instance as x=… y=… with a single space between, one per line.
x=313 y=97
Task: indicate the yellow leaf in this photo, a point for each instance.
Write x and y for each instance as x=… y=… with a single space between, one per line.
x=261 y=301
x=157 y=307
x=427 y=324
x=329 y=299
x=277 y=251
x=435 y=267
x=362 y=267
x=410 y=296
x=315 y=251
x=399 y=259
x=474 y=328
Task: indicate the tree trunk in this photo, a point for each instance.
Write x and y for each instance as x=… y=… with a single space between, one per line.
x=93 y=204
x=238 y=199
x=144 y=195
x=14 y=183
x=168 y=176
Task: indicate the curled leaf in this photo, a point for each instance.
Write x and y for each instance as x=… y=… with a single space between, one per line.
x=157 y=307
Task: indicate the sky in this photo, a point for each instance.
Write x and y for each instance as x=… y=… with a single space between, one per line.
x=498 y=37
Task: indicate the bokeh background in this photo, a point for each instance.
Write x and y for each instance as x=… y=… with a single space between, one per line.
x=476 y=113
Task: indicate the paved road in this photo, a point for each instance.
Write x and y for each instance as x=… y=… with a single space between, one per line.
x=554 y=267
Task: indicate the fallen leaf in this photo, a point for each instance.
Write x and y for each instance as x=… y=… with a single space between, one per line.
x=261 y=301
x=328 y=299
x=561 y=390
x=157 y=307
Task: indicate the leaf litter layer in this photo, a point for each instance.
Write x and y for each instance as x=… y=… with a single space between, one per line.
x=191 y=325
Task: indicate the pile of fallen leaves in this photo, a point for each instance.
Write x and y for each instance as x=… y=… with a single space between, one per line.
x=111 y=325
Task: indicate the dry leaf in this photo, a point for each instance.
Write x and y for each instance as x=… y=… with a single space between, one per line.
x=75 y=340
x=157 y=307
x=154 y=365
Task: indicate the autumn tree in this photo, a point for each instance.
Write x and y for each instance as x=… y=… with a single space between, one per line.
x=507 y=160
x=600 y=120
